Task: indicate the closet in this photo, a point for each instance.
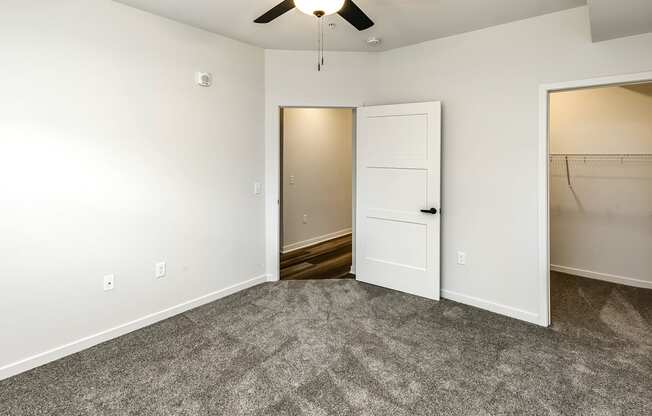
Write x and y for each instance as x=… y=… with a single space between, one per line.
x=600 y=195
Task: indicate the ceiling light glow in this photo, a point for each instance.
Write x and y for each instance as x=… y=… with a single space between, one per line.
x=313 y=7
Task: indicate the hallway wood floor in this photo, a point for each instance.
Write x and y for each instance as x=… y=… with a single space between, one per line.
x=328 y=260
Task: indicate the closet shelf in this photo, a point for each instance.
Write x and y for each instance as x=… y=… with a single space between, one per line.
x=566 y=158
x=635 y=157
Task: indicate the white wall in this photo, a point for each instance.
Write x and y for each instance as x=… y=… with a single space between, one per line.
x=602 y=226
x=317 y=175
x=112 y=159
x=488 y=81
x=602 y=120
x=291 y=79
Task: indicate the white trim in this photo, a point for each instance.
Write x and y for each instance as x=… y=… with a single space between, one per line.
x=544 y=211
x=544 y=190
x=316 y=240
x=95 y=339
x=492 y=306
x=605 y=277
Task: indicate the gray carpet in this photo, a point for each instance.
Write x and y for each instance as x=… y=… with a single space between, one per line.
x=346 y=348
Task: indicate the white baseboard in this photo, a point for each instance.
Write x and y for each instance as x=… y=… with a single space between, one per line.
x=612 y=278
x=92 y=340
x=493 y=307
x=322 y=238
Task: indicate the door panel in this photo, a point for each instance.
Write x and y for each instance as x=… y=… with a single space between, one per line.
x=383 y=250
x=398 y=175
x=396 y=189
x=400 y=137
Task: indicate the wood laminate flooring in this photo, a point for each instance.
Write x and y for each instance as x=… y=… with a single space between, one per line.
x=328 y=260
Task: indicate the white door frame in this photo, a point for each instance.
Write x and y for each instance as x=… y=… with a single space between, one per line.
x=544 y=186
x=273 y=186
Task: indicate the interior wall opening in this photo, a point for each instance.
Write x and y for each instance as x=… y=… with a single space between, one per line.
x=600 y=208
x=317 y=193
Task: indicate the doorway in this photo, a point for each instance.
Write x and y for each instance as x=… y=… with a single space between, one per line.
x=396 y=180
x=316 y=193
x=599 y=204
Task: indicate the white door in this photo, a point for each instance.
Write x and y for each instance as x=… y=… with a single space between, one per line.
x=398 y=176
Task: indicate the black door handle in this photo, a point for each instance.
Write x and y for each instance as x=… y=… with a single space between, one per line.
x=430 y=211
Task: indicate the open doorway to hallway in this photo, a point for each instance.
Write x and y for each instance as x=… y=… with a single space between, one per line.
x=601 y=210
x=317 y=188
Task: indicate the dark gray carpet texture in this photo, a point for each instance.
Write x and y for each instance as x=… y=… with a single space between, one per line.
x=340 y=347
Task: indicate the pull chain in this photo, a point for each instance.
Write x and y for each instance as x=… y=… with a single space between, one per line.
x=320 y=43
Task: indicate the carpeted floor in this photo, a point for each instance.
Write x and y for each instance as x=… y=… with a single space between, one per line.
x=344 y=348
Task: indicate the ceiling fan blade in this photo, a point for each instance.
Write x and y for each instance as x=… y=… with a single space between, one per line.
x=276 y=11
x=354 y=15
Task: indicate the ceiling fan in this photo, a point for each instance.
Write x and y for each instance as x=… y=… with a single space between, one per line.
x=320 y=8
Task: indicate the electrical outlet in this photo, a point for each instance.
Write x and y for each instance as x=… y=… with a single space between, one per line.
x=461 y=258
x=109 y=282
x=160 y=270
x=305 y=218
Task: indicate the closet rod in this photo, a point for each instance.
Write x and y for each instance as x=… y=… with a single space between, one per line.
x=567 y=157
x=601 y=156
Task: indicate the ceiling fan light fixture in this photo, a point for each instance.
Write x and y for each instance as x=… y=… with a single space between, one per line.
x=319 y=7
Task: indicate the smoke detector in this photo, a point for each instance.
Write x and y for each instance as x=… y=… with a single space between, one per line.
x=374 y=41
x=204 y=79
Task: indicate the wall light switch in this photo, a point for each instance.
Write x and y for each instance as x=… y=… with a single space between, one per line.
x=109 y=282
x=258 y=188
x=292 y=180
x=305 y=218
x=461 y=258
x=161 y=270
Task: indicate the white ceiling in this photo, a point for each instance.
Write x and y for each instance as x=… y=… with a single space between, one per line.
x=614 y=19
x=398 y=22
